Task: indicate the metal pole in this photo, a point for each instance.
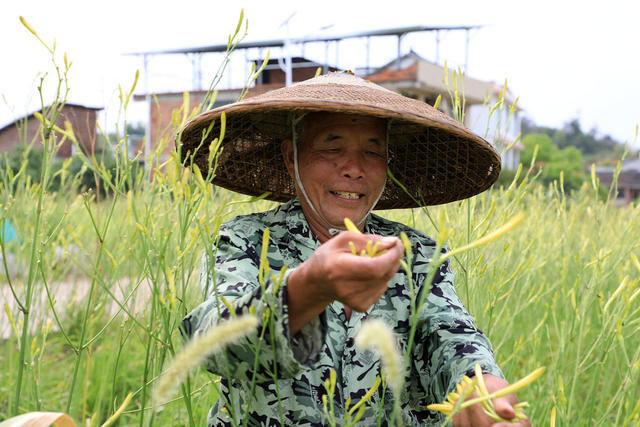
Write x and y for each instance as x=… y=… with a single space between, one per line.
x=399 y=51
x=438 y=47
x=246 y=64
x=368 y=54
x=287 y=51
x=260 y=58
x=195 y=71
x=229 y=73
x=199 y=71
x=466 y=52
x=326 y=57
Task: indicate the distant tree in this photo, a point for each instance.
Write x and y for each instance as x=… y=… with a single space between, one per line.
x=569 y=161
x=547 y=150
x=589 y=143
x=15 y=158
x=528 y=126
x=570 y=155
x=80 y=176
x=135 y=132
x=570 y=150
x=553 y=161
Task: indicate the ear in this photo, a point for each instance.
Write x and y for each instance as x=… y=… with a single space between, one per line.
x=287 y=153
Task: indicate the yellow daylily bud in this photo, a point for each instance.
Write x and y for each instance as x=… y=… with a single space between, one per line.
x=616 y=292
x=351 y=226
x=367 y=395
x=510 y=225
x=452 y=397
x=28 y=26
x=374 y=251
x=141 y=227
x=519 y=384
x=405 y=240
x=437 y=103
x=635 y=261
x=353 y=248
x=120 y=410
x=441 y=407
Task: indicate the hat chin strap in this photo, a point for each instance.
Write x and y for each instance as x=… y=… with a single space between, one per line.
x=331 y=229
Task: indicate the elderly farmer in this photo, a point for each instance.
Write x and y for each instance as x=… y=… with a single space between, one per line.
x=323 y=146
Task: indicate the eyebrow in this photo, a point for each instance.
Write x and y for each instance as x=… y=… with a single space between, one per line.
x=332 y=137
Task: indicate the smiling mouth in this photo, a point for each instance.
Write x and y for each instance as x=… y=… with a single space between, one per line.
x=347 y=195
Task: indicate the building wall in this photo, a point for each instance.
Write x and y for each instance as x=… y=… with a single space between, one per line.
x=163 y=126
x=498 y=128
x=27 y=130
x=423 y=80
x=162 y=123
x=23 y=131
x=279 y=76
x=302 y=69
x=628 y=181
x=431 y=75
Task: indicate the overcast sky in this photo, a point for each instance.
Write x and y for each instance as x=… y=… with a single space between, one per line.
x=563 y=59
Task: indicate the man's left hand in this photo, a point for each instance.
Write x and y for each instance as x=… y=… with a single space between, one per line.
x=476 y=417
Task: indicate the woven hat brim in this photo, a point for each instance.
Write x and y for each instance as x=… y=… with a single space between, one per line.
x=435 y=158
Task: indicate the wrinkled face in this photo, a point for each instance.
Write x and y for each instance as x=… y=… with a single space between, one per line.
x=342 y=163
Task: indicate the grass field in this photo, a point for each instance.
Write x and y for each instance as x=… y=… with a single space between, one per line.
x=548 y=293
x=91 y=313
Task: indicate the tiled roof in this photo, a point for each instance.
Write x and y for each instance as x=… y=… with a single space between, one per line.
x=409 y=73
x=29 y=115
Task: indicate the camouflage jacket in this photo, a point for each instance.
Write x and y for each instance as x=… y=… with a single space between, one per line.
x=447 y=342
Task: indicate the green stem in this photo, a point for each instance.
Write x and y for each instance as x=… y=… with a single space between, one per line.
x=30 y=280
x=275 y=367
x=468 y=256
x=186 y=394
x=21 y=362
x=53 y=310
x=6 y=269
x=256 y=359
x=81 y=344
x=145 y=378
x=426 y=288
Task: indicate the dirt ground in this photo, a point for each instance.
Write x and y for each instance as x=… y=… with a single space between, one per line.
x=68 y=297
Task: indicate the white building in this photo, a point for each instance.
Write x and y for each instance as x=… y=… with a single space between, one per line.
x=420 y=79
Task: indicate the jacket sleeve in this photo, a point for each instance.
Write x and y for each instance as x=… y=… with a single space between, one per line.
x=234 y=276
x=448 y=343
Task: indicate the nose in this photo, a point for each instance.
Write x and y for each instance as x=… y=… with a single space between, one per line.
x=353 y=165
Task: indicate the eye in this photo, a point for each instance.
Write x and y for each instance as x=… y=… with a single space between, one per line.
x=332 y=152
x=374 y=153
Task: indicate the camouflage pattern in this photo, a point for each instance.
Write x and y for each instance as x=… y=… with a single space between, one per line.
x=447 y=343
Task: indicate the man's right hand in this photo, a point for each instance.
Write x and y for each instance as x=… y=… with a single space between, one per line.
x=333 y=273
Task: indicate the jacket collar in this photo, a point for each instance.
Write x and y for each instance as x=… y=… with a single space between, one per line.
x=299 y=228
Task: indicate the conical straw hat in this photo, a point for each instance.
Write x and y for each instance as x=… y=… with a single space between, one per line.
x=436 y=159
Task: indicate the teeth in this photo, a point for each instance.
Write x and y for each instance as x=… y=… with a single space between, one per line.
x=347 y=195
